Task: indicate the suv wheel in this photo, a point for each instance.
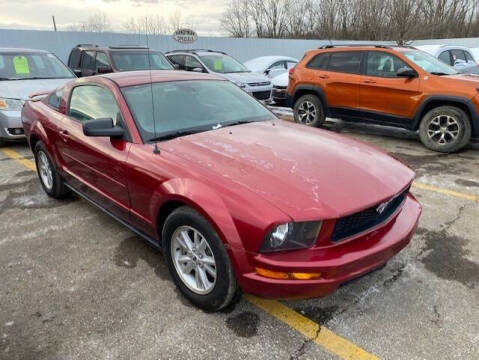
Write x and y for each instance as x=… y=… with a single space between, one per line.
x=445 y=129
x=197 y=260
x=2 y=142
x=308 y=110
x=51 y=181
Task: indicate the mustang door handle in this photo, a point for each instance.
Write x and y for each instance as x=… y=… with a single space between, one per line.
x=369 y=81
x=64 y=135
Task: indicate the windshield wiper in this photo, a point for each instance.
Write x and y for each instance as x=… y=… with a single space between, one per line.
x=439 y=73
x=174 y=134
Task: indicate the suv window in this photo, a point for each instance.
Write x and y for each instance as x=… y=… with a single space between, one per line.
x=192 y=63
x=55 y=98
x=88 y=60
x=280 y=65
x=90 y=102
x=102 y=60
x=178 y=60
x=383 y=64
x=458 y=55
x=346 y=62
x=445 y=57
x=319 y=62
x=469 y=57
x=74 y=59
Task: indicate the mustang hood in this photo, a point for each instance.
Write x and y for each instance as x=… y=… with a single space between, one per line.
x=22 y=89
x=307 y=173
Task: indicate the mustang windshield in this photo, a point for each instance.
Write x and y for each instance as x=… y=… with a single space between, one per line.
x=24 y=66
x=185 y=107
x=223 y=64
x=130 y=60
x=429 y=63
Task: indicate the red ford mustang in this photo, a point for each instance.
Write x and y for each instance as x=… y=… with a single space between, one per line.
x=234 y=197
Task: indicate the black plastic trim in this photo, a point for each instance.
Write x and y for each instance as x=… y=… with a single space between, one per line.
x=317 y=90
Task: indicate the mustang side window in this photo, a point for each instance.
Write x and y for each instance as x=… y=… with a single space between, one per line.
x=90 y=102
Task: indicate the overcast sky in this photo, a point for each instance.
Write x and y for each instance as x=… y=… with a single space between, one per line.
x=36 y=14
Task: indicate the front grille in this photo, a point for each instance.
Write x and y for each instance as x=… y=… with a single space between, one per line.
x=264 y=83
x=366 y=219
x=262 y=95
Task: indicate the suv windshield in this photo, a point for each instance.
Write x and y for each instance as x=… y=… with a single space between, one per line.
x=223 y=64
x=211 y=104
x=19 y=66
x=129 y=61
x=429 y=63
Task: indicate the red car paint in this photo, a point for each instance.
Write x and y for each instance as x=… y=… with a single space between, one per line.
x=245 y=180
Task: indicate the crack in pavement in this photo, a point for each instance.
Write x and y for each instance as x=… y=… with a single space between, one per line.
x=302 y=349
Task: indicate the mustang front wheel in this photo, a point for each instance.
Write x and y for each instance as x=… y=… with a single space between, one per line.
x=197 y=260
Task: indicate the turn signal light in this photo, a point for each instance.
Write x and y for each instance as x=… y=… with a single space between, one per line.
x=3 y=104
x=287 y=276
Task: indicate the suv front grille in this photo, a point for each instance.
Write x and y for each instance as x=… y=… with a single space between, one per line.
x=367 y=219
x=262 y=95
x=264 y=83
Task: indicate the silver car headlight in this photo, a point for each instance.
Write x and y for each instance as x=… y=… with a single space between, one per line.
x=292 y=235
x=11 y=104
x=240 y=84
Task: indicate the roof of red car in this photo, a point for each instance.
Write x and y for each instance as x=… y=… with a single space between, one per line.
x=130 y=78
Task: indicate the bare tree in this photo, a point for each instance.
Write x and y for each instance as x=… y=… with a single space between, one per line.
x=236 y=20
x=152 y=25
x=95 y=23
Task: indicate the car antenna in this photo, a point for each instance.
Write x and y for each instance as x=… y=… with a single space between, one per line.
x=155 y=149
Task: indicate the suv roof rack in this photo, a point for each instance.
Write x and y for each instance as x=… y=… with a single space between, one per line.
x=382 y=46
x=194 y=51
x=86 y=45
x=128 y=47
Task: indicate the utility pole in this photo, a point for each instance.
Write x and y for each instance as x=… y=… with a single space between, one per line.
x=54 y=23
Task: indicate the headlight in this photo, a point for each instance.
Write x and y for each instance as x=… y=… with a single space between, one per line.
x=292 y=235
x=11 y=104
x=240 y=84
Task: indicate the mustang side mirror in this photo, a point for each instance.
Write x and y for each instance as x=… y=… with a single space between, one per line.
x=406 y=72
x=102 y=127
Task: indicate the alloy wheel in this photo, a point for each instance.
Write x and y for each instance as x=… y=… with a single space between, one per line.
x=193 y=259
x=443 y=129
x=307 y=112
x=45 y=170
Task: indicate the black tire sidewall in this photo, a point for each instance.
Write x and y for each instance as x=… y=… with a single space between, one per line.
x=225 y=286
x=319 y=120
x=57 y=190
x=464 y=129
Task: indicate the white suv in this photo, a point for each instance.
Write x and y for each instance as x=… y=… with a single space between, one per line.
x=220 y=63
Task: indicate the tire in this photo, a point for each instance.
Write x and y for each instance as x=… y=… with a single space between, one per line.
x=445 y=129
x=309 y=110
x=54 y=186
x=2 y=142
x=215 y=293
x=280 y=102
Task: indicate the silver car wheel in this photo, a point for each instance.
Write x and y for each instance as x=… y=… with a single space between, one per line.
x=45 y=170
x=307 y=112
x=443 y=129
x=193 y=260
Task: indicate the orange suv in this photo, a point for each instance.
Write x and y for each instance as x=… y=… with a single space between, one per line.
x=395 y=86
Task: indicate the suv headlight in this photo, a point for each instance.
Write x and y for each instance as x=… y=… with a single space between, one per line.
x=240 y=84
x=11 y=104
x=292 y=235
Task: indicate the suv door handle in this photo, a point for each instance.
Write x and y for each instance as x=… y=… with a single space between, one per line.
x=324 y=76
x=369 y=81
x=64 y=135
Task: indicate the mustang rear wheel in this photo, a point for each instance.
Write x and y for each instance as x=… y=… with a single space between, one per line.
x=445 y=129
x=51 y=181
x=197 y=260
x=308 y=110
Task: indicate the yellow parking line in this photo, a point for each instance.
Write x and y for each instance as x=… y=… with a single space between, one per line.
x=446 y=191
x=311 y=330
x=16 y=156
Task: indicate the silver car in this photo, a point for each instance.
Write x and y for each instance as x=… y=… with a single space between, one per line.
x=23 y=72
x=459 y=57
x=220 y=63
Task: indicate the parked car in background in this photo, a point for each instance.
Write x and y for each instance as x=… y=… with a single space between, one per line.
x=395 y=86
x=234 y=197
x=23 y=72
x=475 y=54
x=220 y=63
x=271 y=66
x=459 y=57
x=280 y=89
x=90 y=59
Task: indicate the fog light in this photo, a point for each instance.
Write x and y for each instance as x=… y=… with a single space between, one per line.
x=285 y=276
